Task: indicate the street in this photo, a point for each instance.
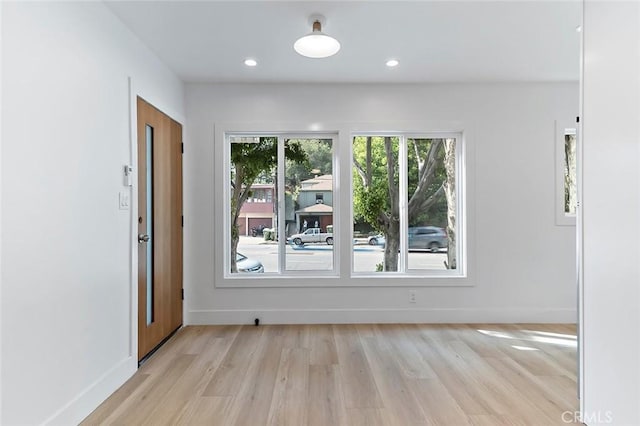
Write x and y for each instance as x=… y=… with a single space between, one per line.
x=319 y=257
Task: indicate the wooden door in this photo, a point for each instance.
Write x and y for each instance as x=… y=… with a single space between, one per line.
x=159 y=227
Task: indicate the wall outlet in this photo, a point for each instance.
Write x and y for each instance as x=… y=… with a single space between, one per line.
x=412 y=296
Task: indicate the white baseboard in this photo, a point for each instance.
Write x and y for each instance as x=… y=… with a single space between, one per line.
x=380 y=316
x=89 y=399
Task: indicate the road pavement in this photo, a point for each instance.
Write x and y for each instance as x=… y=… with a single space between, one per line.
x=319 y=257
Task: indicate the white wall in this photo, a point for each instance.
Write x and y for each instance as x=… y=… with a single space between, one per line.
x=1 y=274
x=521 y=265
x=66 y=277
x=611 y=207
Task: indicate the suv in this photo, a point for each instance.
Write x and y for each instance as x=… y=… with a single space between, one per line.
x=427 y=238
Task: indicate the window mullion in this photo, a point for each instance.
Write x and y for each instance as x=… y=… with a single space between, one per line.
x=226 y=220
x=337 y=213
x=403 y=188
x=280 y=213
x=460 y=200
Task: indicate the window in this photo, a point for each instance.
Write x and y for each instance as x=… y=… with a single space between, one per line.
x=294 y=233
x=287 y=216
x=406 y=204
x=570 y=184
x=566 y=174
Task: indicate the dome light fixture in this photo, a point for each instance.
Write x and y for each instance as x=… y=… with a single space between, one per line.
x=317 y=44
x=250 y=62
x=392 y=63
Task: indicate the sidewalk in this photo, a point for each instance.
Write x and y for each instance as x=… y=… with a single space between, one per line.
x=247 y=240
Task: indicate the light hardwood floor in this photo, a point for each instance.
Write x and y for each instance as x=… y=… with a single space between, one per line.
x=478 y=374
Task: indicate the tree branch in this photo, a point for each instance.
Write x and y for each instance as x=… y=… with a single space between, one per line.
x=418 y=156
x=391 y=172
x=360 y=171
x=426 y=203
x=368 y=157
x=426 y=174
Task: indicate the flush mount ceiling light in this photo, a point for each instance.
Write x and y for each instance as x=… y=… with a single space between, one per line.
x=317 y=44
x=392 y=63
x=250 y=62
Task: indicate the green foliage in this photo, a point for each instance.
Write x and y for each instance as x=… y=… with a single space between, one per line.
x=250 y=159
x=373 y=199
x=369 y=202
x=436 y=215
x=417 y=151
x=254 y=160
x=319 y=158
x=259 y=159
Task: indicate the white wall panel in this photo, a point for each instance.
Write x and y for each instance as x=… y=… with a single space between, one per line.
x=66 y=277
x=611 y=213
x=521 y=265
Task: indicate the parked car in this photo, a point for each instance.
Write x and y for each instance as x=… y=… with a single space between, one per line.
x=244 y=264
x=311 y=235
x=376 y=240
x=427 y=238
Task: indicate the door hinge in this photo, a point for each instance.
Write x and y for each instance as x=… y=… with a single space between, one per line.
x=577 y=119
x=182 y=220
x=182 y=293
x=182 y=147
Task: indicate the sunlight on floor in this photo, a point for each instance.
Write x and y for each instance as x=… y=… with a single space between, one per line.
x=524 y=348
x=557 y=339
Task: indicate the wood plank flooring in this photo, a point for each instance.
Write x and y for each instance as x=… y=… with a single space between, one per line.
x=325 y=375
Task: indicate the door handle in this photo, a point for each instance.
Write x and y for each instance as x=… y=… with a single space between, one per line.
x=143 y=238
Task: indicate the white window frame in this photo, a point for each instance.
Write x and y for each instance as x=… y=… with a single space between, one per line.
x=404 y=272
x=563 y=128
x=281 y=206
x=342 y=175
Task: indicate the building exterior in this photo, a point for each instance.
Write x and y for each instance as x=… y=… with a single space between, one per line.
x=315 y=203
x=259 y=209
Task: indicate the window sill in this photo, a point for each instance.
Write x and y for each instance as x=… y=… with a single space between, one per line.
x=306 y=281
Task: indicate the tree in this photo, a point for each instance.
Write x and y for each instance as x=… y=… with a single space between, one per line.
x=376 y=194
x=252 y=160
x=570 y=194
x=376 y=188
x=450 y=193
x=320 y=161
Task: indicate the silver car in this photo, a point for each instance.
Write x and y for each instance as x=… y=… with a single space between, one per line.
x=244 y=264
x=376 y=240
x=429 y=238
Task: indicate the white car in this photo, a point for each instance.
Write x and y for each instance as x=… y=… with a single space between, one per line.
x=311 y=235
x=244 y=264
x=376 y=240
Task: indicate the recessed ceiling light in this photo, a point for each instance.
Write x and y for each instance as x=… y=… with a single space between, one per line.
x=392 y=63
x=250 y=62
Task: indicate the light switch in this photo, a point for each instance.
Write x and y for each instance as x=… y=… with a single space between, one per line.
x=123 y=200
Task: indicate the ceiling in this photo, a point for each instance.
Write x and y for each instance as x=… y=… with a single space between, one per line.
x=435 y=41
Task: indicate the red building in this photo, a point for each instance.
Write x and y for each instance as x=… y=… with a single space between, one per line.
x=258 y=210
